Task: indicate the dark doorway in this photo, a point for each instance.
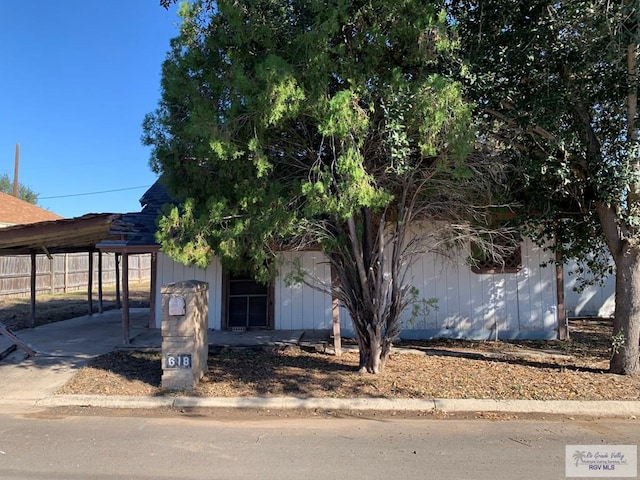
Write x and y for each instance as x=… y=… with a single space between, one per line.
x=248 y=303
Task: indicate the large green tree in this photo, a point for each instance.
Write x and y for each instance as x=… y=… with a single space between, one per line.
x=24 y=192
x=558 y=84
x=331 y=125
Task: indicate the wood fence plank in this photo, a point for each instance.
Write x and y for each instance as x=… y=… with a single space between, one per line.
x=69 y=273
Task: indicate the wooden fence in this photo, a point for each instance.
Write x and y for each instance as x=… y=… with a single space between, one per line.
x=65 y=272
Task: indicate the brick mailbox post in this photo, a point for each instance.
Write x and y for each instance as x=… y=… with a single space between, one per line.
x=185 y=344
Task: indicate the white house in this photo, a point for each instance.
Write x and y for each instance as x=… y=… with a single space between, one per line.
x=520 y=303
x=467 y=305
x=597 y=300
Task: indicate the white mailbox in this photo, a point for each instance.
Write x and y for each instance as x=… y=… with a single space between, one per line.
x=176 y=305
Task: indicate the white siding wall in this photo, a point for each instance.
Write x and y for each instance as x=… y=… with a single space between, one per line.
x=300 y=307
x=469 y=305
x=597 y=300
x=170 y=272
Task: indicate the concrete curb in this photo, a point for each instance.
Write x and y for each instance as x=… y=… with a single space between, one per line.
x=114 y=401
x=574 y=407
x=598 y=408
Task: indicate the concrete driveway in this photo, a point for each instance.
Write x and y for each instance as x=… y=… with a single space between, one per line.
x=64 y=347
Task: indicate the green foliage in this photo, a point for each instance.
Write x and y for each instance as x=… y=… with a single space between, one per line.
x=276 y=117
x=617 y=342
x=558 y=85
x=184 y=236
x=553 y=83
x=421 y=307
x=297 y=275
x=24 y=192
x=338 y=124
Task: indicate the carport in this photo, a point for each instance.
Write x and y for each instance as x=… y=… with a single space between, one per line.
x=96 y=232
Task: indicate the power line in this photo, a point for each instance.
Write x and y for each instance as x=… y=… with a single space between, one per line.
x=94 y=193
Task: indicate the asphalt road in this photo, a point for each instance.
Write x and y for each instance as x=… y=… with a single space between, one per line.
x=162 y=445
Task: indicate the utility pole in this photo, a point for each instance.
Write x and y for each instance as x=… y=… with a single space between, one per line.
x=15 y=171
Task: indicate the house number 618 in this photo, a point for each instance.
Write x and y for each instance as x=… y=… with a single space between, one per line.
x=179 y=361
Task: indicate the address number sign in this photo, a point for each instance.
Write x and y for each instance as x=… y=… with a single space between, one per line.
x=180 y=360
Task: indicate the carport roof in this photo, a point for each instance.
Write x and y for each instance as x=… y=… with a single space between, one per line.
x=58 y=236
x=111 y=232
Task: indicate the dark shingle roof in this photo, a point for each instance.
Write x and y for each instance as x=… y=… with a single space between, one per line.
x=156 y=197
x=139 y=228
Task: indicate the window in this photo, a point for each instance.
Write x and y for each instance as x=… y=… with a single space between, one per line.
x=247 y=303
x=506 y=258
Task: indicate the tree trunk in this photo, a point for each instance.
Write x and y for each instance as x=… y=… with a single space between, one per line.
x=373 y=355
x=369 y=287
x=626 y=325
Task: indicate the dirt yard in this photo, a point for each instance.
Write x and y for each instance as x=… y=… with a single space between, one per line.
x=573 y=370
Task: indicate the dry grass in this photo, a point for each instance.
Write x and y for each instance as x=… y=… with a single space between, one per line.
x=15 y=312
x=443 y=368
x=574 y=370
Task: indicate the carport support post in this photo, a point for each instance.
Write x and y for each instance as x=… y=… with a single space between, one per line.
x=563 y=328
x=125 y=299
x=152 y=286
x=100 y=281
x=335 y=313
x=118 y=304
x=90 y=284
x=33 y=289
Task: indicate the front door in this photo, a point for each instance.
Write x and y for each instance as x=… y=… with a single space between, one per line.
x=247 y=303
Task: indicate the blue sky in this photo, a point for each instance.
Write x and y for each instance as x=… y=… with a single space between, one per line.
x=77 y=78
